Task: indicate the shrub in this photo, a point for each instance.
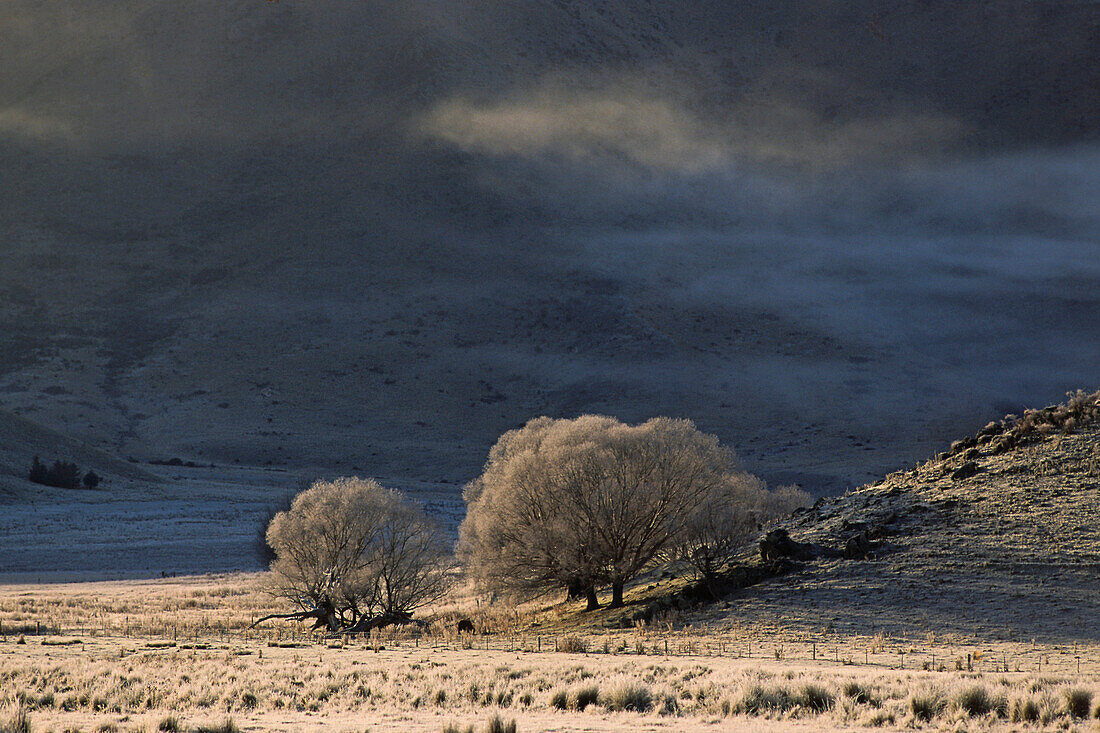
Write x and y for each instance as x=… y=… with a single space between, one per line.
x=560 y=700
x=628 y=696
x=573 y=645
x=227 y=727
x=91 y=480
x=171 y=724
x=1078 y=701
x=249 y=700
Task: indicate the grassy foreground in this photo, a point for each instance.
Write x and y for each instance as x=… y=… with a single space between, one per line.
x=176 y=655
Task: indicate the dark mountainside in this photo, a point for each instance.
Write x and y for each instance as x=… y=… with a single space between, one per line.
x=369 y=238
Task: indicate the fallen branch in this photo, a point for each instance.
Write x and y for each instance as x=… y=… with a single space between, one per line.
x=322 y=617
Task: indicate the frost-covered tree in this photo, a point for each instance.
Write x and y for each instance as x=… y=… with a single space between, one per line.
x=352 y=555
x=589 y=501
x=735 y=513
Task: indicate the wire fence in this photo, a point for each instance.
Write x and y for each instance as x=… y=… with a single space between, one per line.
x=1071 y=658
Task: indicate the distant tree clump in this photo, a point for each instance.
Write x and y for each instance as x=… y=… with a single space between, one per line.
x=62 y=475
x=589 y=502
x=353 y=555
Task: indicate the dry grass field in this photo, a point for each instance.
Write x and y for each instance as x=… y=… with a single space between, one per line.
x=177 y=654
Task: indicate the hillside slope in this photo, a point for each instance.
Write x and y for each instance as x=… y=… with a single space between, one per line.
x=1010 y=552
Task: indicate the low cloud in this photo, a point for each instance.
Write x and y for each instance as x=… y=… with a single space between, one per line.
x=19 y=123
x=625 y=122
x=647 y=131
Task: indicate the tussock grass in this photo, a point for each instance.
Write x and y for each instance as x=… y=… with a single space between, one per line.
x=816 y=698
x=927 y=704
x=227 y=727
x=14 y=718
x=206 y=677
x=1078 y=700
x=169 y=724
x=584 y=696
x=878 y=719
x=497 y=725
x=859 y=693
x=1024 y=710
x=627 y=696
x=759 y=699
x=453 y=728
x=974 y=700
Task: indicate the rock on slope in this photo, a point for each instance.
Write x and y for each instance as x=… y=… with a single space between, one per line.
x=1007 y=549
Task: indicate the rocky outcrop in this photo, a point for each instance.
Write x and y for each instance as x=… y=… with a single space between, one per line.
x=778 y=545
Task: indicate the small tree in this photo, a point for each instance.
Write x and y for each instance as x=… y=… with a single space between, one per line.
x=353 y=555
x=39 y=472
x=718 y=528
x=91 y=480
x=736 y=513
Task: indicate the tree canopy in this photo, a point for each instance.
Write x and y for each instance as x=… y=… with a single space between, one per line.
x=592 y=501
x=351 y=553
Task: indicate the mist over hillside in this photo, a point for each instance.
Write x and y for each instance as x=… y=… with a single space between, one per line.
x=370 y=237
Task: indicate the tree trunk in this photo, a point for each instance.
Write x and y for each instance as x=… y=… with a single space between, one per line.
x=593 y=601
x=616 y=595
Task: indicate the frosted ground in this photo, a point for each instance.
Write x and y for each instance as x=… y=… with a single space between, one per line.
x=197 y=520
